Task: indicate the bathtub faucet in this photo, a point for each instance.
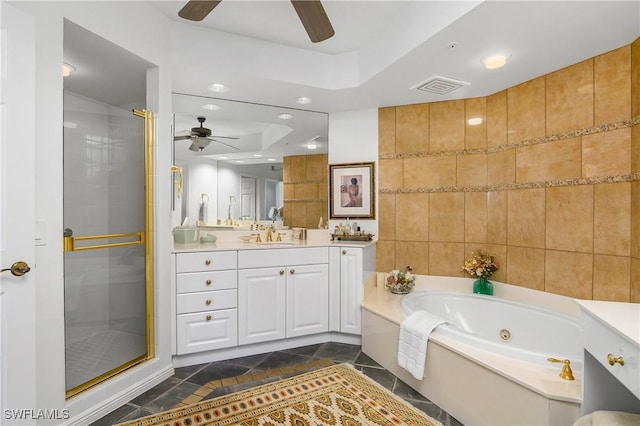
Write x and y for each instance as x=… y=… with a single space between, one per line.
x=566 y=372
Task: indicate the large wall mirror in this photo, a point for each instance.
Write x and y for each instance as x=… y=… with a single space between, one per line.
x=234 y=174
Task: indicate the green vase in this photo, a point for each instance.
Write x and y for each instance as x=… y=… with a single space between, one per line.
x=483 y=286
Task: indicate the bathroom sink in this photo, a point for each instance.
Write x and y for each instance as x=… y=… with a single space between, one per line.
x=274 y=243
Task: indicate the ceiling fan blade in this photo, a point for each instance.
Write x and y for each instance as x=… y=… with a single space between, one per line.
x=226 y=144
x=181 y=138
x=224 y=137
x=314 y=19
x=197 y=10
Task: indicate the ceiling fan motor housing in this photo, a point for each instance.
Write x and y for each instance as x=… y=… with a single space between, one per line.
x=201 y=131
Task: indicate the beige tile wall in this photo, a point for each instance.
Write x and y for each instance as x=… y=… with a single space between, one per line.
x=305 y=179
x=635 y=168
x=549 y=182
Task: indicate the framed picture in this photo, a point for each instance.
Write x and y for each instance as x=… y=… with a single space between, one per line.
x=352 y=191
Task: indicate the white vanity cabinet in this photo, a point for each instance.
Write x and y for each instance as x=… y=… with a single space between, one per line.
x=611 y=338
x=282 y=293
x=353 y=265
x=206 y=301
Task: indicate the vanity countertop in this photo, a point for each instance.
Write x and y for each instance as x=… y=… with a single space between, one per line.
x=241 y=245
x=623 y=317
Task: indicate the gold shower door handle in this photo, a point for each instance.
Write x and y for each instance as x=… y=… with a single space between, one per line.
x=18 y=269
x=69 y=241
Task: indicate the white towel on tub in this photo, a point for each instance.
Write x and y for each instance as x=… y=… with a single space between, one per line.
x=412 y=345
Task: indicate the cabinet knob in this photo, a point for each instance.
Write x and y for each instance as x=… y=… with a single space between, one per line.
x=208 y=302
x=207 y=262
x=208 y=317
x=281 y=271
x=615 y=360
x=292 y=271
x=344 y=252
x=208 y=282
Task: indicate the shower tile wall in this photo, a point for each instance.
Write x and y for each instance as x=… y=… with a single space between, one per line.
x=104 y=289
x=86 y=206
x=549 y=181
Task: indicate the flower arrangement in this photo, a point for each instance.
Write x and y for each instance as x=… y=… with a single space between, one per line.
x=401 y=282
x=481 y=265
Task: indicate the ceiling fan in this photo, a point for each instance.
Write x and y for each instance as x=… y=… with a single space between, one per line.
x=311 y=14
x=201 y=137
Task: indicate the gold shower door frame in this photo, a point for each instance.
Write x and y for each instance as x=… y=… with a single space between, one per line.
x=145 y=237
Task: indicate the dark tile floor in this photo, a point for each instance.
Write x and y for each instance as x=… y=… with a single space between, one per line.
x=187 y=380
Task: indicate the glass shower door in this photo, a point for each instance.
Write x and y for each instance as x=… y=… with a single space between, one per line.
x=105 y=260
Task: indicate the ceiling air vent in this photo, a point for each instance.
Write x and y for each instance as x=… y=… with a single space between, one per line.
x=440 y=85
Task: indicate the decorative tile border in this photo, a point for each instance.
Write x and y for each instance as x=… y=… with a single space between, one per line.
x=295 y=182
x=209 y=387
x=527 y=142
x=305 y=200
x=510 y=186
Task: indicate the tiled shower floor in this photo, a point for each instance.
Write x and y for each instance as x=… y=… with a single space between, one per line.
x=187 y=380
x=91 y=356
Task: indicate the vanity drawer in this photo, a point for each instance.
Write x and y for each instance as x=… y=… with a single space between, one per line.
x=282 y=256
x=206 y=261
x=206 y=301
x=206 y=281
x=600 y=341
x=205 y=331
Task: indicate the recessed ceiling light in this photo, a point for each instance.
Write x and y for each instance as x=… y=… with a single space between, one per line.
x=285 y=116
x=257 y=155
x=312 y=146
x=272 y=159
x=211 y=107
x=239 y=161
x=224 y=158
x=218 y=87
x=495 y=61
x=474 y=121
x=303 y=100
x=67 y=69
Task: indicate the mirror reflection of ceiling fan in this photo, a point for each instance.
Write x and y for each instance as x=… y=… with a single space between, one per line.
x=201 y=137
x=311 y=14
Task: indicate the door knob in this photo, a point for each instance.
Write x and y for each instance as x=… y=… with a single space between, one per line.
x=18 y=269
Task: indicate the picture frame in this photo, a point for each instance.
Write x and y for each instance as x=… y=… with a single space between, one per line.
x=352 y=191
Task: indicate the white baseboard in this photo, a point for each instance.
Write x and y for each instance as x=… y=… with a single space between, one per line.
x=110 y=404
x=260 y=348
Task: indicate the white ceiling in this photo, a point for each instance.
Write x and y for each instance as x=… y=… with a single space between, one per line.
x=357 y=22
x=380 y=50
x=383 y=48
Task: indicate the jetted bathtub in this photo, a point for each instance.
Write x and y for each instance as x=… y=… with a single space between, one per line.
x=506 y=327
x=488 y=365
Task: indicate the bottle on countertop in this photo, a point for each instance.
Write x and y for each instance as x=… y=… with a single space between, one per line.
x=321 y=223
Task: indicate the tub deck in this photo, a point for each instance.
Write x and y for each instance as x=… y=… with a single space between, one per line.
x=471 y=384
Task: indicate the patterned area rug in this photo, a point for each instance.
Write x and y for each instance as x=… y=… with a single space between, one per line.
x=335 y=395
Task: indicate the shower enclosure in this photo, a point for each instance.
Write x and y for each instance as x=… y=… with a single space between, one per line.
x=108 y=252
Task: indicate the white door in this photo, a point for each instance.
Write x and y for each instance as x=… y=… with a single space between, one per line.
x=248 y=198
x=261 y=305
x=17 y=223
x=307 y=299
